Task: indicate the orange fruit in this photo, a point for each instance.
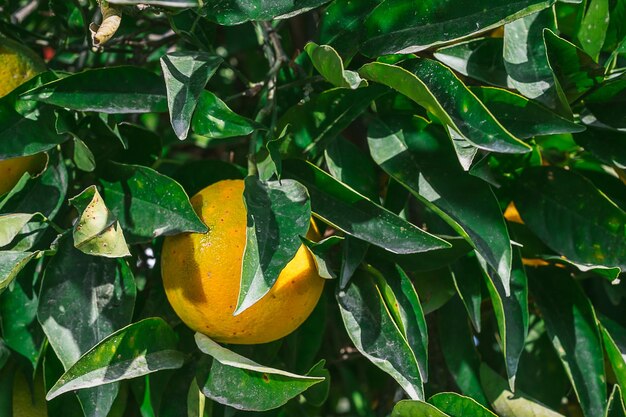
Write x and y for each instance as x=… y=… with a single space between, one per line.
x=201 y=274
x=18 y=64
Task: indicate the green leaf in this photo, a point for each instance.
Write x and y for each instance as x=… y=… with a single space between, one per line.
x=593 y=27
x=44 y=194
x=164 y=3
x=196 y=175
x=278 y=213
x=27 y=127
x=354 y=214
x=507 y=403
x=438 y=90
x=137 y=349
x=350 y=165
x=243 y=384
x=329 y=64
x=468 y=277
x=480 y=59
x=607 y=102
x=314 y=124
x=413 y=154
x=522 y=117
x=615 y=407
x=11 y=263
x=320 y=251
x=405 y=308
x=575 y=71
x=148 y=204
x=569 y=214
x=186 y=74
x=614 y=339
x=571 y=324
x=526 y=61
x=456 y=405
x=11 y=225
x=409 y=408
x=97 y=231
x=83 y=299
x=373 y=331
x=353 y=252
x=397 y=26
x=511 y=311
x=233 y=12
x=83 y=157
x=213 y=119
x=459 y=350
x=609 y=146
x=107 y=90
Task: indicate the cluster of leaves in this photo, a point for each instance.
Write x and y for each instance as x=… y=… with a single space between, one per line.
x=466 y=159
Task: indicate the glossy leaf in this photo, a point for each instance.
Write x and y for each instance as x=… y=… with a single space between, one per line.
x=480 y=59
x=105 y=90
x=526 y=61
x=314 y=124
x=459 y=350
x=278 y=213
x=84 y=299
x=438 y=90
x=522 y=117
x=571 y=323
x=606 y=102
x=352 y=254
x=97 y=231
x=410 y=408
x=138 y=349
x=11 y=225
x=593 y=27
x=233 y=12
x=185 y=75
x=614 y=339
x=329 y=64
x=396 y=26
x=414 y=154
x=215 y=120
x=456 y=405
x=572 y=217
x=615 y=407
x=608 y=145
x=374 y=333
x=507 y=403
x=243 y=384
x=575 y=71
x=468 y=276
x=27 y=127
x=350 y=165
x=357 y=216
x=511 y=311
x=11 y=263
x=321 y=251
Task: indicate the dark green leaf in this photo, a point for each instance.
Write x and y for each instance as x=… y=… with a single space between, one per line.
x=572 y=217
x=148 y=204
x=348 y=164
x=84 y=299
x=321 y=251
x=511 y=311
x=314 y=124
x=508 y=404
x=278 y=213
x=357 y=216
x=615 y=407
x=456 y=405
x=138 y=349
x=374 y=333
x=409 y=408
x=164 y=3
x=196 y=175
x=593 y=27
x=397 y=26
x=438 y=90
x=240 y=383
x=352 y=254
x=480 y=59
x=468 y=277
x=571 y=324
x=419 y=157
x=214 y=120
x=614 y=338
x=233 y=12
x=185 y=75
x=106 y=90
x=459 y=350
x=607 y=102
x=97 y=232
x=609 y=146
x=575 y=71
x=526 y=61
x=522 y=117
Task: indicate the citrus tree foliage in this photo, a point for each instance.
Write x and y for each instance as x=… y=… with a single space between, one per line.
x=464 y=159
